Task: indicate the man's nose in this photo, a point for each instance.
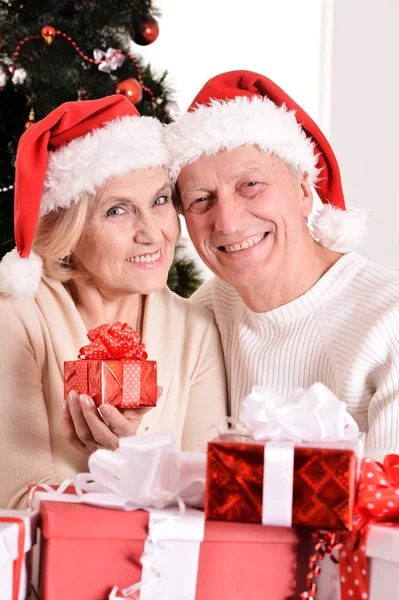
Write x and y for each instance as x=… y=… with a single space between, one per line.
x=228 y=214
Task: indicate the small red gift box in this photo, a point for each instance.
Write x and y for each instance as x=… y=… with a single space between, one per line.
x=87 y=550
x=324 y=483
x=113 y=369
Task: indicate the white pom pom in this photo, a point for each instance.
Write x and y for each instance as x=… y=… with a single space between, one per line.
x=339 y=230
x=20 y=277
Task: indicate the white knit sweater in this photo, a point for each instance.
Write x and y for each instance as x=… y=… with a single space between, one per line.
x=343 y=332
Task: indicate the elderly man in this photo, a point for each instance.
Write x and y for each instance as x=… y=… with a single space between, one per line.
x=294 y=304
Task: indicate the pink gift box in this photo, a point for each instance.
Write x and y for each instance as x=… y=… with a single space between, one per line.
x=86 y=551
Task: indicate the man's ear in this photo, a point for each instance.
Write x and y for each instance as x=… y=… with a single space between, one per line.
x=306 y=196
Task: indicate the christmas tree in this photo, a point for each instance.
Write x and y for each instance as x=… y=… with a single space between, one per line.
x=55 y=51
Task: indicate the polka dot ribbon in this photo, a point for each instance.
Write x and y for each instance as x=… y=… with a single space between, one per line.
x=378 y=502
x=118 y=341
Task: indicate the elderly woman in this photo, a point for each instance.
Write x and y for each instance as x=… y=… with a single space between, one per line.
x=98 y=253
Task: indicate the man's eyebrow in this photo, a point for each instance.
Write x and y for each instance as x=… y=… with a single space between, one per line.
x=247 y=171
x=193 y=188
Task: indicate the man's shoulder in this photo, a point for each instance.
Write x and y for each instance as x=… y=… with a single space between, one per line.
x=375 y=280
x=194 y=314
x=217 y=296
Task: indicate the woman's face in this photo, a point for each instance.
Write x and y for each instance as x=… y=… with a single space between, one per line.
x=128 y=242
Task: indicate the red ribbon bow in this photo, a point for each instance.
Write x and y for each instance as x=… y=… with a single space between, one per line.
x=378 y=501
x=118 y=341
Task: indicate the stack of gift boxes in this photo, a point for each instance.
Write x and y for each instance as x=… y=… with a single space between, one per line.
x=273 y=506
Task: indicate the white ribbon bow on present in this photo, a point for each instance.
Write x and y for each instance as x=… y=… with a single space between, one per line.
x=145 y=471
x=116 y=59
x=315 y=415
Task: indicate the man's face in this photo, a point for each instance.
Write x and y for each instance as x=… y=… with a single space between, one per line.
x=245 y=212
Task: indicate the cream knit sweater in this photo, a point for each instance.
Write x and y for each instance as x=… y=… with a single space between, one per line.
x=343 y=332
x=38 y=335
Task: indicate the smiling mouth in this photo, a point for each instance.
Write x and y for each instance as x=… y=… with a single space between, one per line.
x=252 y=241
x=145 y=258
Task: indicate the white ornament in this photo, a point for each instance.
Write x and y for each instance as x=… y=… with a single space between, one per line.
x=19 y=76
x=3 y=77
x=106 y=66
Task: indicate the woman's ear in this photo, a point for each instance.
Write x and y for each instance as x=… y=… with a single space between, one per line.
x=306 y=196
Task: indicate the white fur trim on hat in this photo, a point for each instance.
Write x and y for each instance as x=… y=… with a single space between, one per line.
x=125 y=144
x=20 y=277
x=239 y=122
x=339 y=230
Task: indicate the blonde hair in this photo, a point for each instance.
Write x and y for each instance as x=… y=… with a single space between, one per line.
x=57 y=235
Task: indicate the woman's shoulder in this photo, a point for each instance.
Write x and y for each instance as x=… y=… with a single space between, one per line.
x=28 y=309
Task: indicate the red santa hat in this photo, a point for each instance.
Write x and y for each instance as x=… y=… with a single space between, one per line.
x=240 y=108
x=71 y=152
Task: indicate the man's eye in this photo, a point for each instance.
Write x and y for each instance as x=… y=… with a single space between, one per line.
x=115 y=211
x=251 y=183
x=199 y=205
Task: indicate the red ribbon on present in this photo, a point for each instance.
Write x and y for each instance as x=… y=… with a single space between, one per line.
x=115 y=342
x=378 y=502
x=326 y=543
x=18 y=562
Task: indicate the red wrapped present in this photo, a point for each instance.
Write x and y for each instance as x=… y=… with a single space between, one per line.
x=268 y=476
x=113 y=369
x=17 y=537
x=88 y=553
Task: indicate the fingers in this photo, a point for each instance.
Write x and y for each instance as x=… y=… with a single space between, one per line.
x=68 y=430
x=87 y=430
x=159 y=392
x=122 y=423
x=90 y=429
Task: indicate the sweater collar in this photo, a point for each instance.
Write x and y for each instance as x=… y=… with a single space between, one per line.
x=325 y=288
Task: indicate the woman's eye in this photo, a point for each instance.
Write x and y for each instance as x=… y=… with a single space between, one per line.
x=115 y=211
x=161 y=200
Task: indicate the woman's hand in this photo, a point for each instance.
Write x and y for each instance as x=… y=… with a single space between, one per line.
x=84 y=428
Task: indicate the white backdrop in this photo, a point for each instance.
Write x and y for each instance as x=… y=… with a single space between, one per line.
x=278 y=38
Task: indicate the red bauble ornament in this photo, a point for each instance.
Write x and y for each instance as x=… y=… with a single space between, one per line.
x=131 y=89
x=147 y=32
x=48 y=34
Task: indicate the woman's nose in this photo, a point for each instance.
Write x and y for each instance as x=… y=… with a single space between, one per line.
x=148 y=230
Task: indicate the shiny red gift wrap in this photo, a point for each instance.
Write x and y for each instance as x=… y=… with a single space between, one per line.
x=323 y=492
x=113 y=369
x=122 y=383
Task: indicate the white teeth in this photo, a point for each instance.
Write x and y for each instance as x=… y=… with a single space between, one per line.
x=247 y=244
x=145 y=258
